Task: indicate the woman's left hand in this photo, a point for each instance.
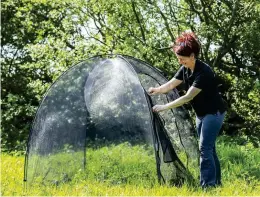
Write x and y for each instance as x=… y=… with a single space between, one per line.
x=159 y=108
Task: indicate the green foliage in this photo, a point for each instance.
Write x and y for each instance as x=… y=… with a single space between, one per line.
x=113 y=164
x=125 y=170
x=240 y=161
x=122 y=164
x=32 y=37
x=246 y=104
x=41 y=39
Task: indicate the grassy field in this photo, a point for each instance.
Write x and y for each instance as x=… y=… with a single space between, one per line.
x=240 y=172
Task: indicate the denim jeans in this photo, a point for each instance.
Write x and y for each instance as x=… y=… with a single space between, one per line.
x=208 y=128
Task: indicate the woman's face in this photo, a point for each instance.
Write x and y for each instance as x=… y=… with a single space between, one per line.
x=187 y=61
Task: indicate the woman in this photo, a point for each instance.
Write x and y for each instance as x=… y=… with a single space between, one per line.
x=202 y=93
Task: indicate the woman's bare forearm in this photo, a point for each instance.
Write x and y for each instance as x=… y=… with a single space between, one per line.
x=173 y=83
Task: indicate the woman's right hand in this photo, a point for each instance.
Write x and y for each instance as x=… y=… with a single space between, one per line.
x=153 y=91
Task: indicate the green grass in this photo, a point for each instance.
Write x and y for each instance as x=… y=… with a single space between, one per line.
x=123 y=170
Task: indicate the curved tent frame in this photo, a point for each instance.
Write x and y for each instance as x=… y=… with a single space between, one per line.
x=72 y=103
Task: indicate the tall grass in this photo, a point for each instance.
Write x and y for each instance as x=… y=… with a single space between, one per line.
x=133 y=174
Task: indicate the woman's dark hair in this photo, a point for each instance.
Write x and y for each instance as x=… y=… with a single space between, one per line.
x=186 y=44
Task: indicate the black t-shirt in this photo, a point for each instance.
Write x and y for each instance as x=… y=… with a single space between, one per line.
x=208 y=101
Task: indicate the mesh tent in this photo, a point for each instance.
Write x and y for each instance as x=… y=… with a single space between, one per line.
x=102 y=102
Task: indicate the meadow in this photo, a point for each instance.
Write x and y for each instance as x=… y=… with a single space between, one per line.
x=240 y=163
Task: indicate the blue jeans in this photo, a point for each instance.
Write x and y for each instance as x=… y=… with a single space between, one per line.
x=208 y=128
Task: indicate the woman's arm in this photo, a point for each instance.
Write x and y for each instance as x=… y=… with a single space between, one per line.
x=173 y=83
x=192 y=92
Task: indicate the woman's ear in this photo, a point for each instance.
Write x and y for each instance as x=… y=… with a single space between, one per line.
x=192 y=55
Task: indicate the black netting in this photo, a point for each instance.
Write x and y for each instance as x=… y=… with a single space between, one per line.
x=102 y=103
x=176 y=123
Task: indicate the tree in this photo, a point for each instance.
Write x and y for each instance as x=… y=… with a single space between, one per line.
x=35 y=36
x=41 y=39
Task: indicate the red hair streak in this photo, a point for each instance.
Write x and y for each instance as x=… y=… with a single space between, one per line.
x=186 y=44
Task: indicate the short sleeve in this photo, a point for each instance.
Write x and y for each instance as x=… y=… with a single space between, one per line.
x=179 y=74
x=200 y=81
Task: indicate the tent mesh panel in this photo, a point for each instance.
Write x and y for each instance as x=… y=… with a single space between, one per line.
x=102 y=102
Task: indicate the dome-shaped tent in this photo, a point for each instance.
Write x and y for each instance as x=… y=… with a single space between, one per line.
x=103 y=101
